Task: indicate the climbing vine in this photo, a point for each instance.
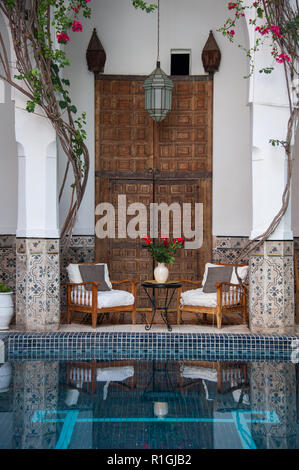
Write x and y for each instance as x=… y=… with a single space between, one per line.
x=275 y=24
x=40 y=34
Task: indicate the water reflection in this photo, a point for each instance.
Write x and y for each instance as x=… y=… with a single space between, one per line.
x=148 y=405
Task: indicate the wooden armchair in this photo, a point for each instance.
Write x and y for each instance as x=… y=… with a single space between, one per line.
x=229 y=376
x=229 y=298
x=84 y=376
x=84 y=297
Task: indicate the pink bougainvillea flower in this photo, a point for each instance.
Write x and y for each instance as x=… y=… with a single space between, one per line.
x=63 y=37
x=77 y=26
x=276 y=30
x=262 y=30
x=77 y=8
x=282 y=58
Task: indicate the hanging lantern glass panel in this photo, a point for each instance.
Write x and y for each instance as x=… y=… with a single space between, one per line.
x=158 y=94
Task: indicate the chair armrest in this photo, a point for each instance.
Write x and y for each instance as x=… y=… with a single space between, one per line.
x=133 y=283
x=220 y=284
x=74 y=284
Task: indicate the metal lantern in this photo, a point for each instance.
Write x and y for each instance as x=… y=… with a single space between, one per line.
x=211 y=55
x=158 y=94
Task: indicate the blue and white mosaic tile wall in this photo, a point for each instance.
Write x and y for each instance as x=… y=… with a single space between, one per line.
x=80 y=250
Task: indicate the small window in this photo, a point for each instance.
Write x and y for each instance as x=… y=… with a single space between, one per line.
x=180 y=62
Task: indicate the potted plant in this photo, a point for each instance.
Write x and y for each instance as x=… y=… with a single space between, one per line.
x=6 y=306
x=164 y=253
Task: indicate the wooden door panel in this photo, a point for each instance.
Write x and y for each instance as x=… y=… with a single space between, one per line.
x=149 y=162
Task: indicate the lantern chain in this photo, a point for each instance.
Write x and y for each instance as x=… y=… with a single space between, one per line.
x=158 y=26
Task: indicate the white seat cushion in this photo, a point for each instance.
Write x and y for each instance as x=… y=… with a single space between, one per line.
x=114 y=374
x=108 y=374
x=205 y=373
x=107 y=299
x=197 y=298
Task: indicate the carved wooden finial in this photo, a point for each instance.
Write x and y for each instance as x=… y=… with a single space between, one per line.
x=211 y=55
x=95 y=55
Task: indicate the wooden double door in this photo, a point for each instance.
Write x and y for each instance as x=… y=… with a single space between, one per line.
x=153 y=163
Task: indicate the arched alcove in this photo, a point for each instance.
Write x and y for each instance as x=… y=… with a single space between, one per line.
x=8 y=152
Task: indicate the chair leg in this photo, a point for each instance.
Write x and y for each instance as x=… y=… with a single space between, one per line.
x=68 y=315
x=219 y=318
x=94 y=317
x=116 y=318
x=134 y=316
x=244 y=311
x=179 y=316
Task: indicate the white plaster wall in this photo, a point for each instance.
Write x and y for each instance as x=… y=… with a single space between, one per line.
x=129 y=38
x=295 y=188
x=8 y=158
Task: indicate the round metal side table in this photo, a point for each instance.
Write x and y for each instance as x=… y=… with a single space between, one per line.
x=170 y=288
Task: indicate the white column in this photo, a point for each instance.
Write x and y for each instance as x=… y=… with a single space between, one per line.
x=270 y=114
x=37 y=155
x=271 y=282
x=37 y=245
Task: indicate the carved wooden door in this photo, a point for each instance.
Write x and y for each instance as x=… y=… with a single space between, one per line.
x=149 y=162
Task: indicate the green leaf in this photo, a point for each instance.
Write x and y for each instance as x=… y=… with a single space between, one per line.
x=62 y=104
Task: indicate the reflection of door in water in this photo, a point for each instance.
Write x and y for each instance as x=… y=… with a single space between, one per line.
x=149 y=162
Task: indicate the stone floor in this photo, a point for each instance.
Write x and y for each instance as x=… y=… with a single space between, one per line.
x=156 y=328
x=237 y=329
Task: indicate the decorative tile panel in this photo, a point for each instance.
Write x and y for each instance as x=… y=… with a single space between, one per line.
x=37 y=284
x=35 y=387
x=227 y=249
x=279 y=380
x=81 y=250
x=8 y=260
x=271 y=288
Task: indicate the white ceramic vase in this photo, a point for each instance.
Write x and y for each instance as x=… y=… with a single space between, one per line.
x=161 y=273
x=6 y=310
x=160 y=409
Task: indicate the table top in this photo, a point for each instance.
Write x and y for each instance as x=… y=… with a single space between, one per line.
x=163 y=285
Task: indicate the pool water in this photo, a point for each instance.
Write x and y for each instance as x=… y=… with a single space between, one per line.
x=148 y=405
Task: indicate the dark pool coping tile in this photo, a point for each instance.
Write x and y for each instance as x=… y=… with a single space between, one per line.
x=147 y=345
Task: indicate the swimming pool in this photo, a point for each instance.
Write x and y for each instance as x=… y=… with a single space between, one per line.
x=148 y=404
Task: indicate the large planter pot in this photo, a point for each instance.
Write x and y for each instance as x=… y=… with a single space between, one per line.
x=161 y=273
x=6 y=309
x=5 y=377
